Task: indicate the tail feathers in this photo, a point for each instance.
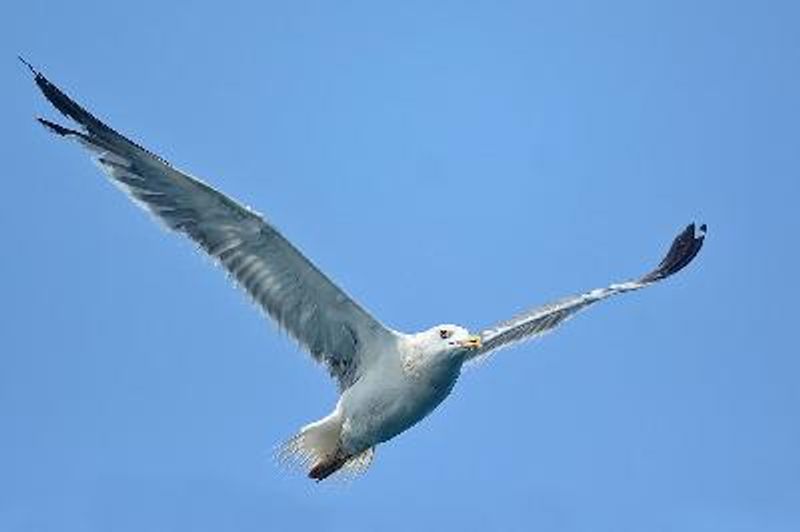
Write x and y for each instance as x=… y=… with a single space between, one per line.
x=315 y=443
x=359 y=463
x=315 y=449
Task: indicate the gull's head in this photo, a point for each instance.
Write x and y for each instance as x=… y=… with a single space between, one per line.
x=449 y=338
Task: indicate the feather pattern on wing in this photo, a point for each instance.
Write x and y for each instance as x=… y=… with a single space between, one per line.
x=543 y=319
x=298 y=296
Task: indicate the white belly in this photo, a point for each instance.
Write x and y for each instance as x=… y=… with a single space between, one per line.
x=386 y=402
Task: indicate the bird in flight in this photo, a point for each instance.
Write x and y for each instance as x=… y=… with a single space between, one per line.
x=388 y=380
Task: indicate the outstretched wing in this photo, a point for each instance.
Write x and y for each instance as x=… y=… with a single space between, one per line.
x=545 y=318
x=297 y=295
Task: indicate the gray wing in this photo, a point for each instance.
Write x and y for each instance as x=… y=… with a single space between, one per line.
x=543 y=319
x=297 y=295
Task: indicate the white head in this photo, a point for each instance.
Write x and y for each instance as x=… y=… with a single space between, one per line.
x=448 y=339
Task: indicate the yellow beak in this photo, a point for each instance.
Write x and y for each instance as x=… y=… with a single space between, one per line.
x=473 y=342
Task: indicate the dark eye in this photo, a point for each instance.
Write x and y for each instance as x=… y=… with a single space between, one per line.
x=444 y=334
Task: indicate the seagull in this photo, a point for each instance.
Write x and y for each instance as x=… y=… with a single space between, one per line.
x=388 y=380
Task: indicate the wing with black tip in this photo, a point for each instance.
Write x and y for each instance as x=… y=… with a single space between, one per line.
x=335 y=329
x=541 y=320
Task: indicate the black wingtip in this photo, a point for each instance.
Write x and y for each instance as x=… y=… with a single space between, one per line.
x=92 y=129
x=57 y=128
x=30 y=67
x=64 y=104
x=684 y=249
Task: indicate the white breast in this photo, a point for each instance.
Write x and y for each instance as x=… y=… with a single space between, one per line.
x=394 y=396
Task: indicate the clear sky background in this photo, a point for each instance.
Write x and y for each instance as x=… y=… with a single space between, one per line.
x=443 y=162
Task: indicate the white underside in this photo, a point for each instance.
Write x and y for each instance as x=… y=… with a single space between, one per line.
x=389 y=397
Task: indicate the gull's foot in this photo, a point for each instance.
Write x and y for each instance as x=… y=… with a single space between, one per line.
x=326 y=468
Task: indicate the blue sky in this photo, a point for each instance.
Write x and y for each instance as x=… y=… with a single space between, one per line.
x=444 y=162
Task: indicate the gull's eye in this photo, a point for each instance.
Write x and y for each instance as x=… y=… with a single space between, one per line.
x=444 y=334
